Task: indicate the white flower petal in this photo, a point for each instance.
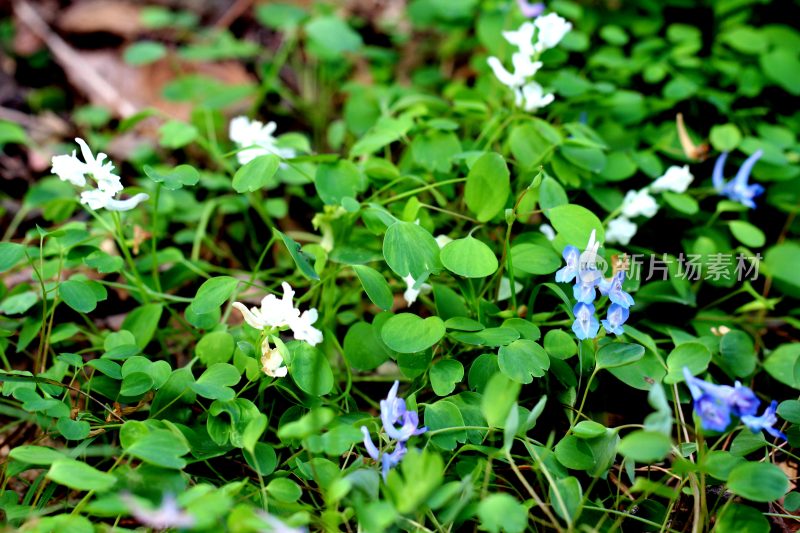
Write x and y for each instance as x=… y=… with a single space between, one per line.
x=676 y=179
x=620 y=230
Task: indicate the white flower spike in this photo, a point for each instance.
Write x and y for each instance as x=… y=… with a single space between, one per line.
x=274 y=313
x=675 y=179
x=70 y=168
x=531 y=97
x=254 y=139
x=552 y=29
x=522 y=38
x=638 y=203
x=272 y=361
x=620 y=230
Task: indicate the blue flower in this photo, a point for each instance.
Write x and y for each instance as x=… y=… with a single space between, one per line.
x=616 y=316
x=742 y=400
x=572 y=256
x=714 y=412
x=612 y=288
x=764 y=422
x=393 y=410
x=737 y=189
x=584 y=288
x=586 y=325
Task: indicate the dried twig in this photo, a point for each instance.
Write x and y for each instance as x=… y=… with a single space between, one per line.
x=82 y=75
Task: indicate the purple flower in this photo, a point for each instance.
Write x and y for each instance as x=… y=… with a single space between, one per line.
x=167 y=515
x=393 y=410
x=615 y=318
x=613 y=289
x=530 y=10
x=567 y=273
x=738 y=189
x=586 y=325
x=765 y=422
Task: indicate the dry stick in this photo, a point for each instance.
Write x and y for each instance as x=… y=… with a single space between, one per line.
x=81 y=74
x=233 y=13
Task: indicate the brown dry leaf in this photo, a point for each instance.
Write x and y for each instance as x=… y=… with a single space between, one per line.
x=89 y=16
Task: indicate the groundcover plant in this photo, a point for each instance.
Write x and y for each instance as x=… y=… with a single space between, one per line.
x=424 y=265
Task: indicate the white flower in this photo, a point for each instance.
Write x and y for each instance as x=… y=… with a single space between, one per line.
x=272 y=361
x=522 y=38
x=410 y=295
x=255 y=139
x=552 y=28
x=531 y=97
x=620 y=230
x=273 y=313
x=675 y=179
x=167 y=515
x=98 y=199
x=548 y=231
x=443 y=240
x=303 y=330
x=639 y=203
x=70 y=168
x=524 y=68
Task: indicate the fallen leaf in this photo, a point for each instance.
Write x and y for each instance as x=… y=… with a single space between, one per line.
x=90 y=16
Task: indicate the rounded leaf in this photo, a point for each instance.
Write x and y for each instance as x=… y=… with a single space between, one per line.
x=469 y=257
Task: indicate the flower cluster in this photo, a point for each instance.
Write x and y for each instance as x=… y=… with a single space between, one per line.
x=738 y=189
x=531 y=39
x=641 y=203
x=104 y=196
x=582 y=267
x=254 y=139
x=716 y=404
x=275 y=315
x=393 y=412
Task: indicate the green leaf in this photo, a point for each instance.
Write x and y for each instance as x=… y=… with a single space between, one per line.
x=534 y=259
x=301 y=259
x=263 y=458
x=618 y=354
x=256 y=174
x=160 y=447
x=174 y=179
x=747 y=234
x=575 y=453
x=79 y=476
x=575 y=223
x=216 y=381
x=284 y=490
x=502 y=512
x=408 y=333
x=215 y=347
x=499 y=395
x=738 y=518
x=375 y=286
x=213 y=293
x=586 y=157
x=335 y=182
x=78 y=295
x=35 y=455
x=784 y=365
x=693 y=355
x=782 y=66
x=725 y=137
x=645 y=446
x=522 y=360
x=363 y=350
x=330 y=37
x=310 y=369
x=410 y=249
x=737 y=353
x=19 y=303
x=176 y=134
x=488 y=186
x=469 y=257
x=136 y=384
x=759 y=482
x=142 y=322
x=10 y=255
x=565 y=497
x=445 y=375
x=73 y=429
x=144 y=52
x=445 y=415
